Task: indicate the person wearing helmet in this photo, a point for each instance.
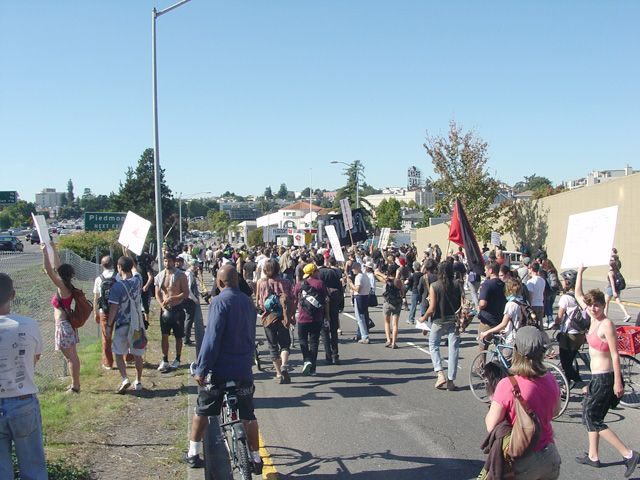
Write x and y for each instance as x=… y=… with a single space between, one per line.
x=570 y=339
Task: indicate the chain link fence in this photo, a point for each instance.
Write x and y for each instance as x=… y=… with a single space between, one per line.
x=34 y=292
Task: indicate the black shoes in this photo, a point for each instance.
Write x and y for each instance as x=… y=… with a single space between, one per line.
x=587 y=461
x=370 y=325
x=257 y=468
x=193 y=462
x=631 y=463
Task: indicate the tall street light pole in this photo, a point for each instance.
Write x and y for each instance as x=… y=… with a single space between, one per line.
x=180 y=208
x=156 y=145
x=357 y=178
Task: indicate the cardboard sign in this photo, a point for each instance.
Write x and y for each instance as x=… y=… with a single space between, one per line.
x=43 y=232
x=335 y=242
x=384 y=237
x=590 y=237
x=134 y=232
x=346 y=213
x=495 y=239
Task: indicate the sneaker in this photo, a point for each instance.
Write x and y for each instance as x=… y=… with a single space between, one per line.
x=137 y=385
x=441 y=381
x=175 y=364
x=631 y=463
x=364 y=340
x=107 y=368
x=286 y=378
x=122 y=389
x=336 y=361
x=193 y=462
x=163 y=365
x=257 y=468
x=451 y=386
x=313 y=374
x=587 y=461
x=278 y=379
x=627 y=318
x=306 y=367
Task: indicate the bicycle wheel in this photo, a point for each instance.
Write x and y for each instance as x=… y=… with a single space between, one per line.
x=243 y=460
x=477 y=379
x=562 y=383
x=630 y=367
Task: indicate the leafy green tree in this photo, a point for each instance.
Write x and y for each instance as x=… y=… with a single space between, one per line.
x=282 y=193
x=17 y=215
x=85 y=243
x=305 y=192
x=460 y=161
x=72 y=211
x=138 y=194
x=268 y=194
x=255 y=238
x=64 y=201
x=389 y=214
x=70 y=195
x=195 y=208
x=355 y=178
x=221 y=223
x=267 y=206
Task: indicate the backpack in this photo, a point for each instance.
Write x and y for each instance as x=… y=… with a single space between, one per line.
x=577 y=320
x=105 y=291
x=620 y=282
x=526 y=316
x=310 y=298
x=552 y=280
x=83 y=308
x=392 y=294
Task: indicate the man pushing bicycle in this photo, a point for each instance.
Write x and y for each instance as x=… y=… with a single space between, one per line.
x=226 y=354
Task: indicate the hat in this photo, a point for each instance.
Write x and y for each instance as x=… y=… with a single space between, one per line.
x=179 y=259
x=369 y=264
x=193 y=261
x=529 y=342
x=308 y=269
x=526 y=260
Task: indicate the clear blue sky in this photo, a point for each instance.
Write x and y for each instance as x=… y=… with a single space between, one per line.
x=254 y=94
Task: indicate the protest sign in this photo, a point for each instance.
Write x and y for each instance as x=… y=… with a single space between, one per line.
x=590 y=238
x=134 y=232
x=335 y=242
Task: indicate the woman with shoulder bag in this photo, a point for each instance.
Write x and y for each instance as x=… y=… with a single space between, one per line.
x=392 y=305
x=445 y=299
x=541 y=392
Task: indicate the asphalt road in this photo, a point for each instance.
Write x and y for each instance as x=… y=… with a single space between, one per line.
x=378 y=415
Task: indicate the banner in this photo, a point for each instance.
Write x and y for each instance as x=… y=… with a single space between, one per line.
x=384 y=238
x=43 y=232
x=590 y=238
x=335 y=242
x=359 y=230
x=495 y=239
x=134 y=232
x=346 y=213
x=461 y=234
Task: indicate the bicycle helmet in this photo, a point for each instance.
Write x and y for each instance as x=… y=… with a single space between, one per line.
x=570 y=276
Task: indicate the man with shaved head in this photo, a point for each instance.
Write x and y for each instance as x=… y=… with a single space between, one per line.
x=226 y=354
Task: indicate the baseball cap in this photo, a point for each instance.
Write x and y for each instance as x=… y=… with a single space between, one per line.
x=526 y=261
x=308 y=269
x=193 y=261
x=369 y=264
x=529 y=342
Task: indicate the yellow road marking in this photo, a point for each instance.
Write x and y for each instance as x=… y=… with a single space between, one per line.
x=268 y=470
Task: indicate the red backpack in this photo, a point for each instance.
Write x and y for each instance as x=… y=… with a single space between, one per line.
x=83 y=308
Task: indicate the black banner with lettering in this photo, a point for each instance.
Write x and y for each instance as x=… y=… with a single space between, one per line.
x=359 y=230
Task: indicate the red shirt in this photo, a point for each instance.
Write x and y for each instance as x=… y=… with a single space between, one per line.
x=318 y=314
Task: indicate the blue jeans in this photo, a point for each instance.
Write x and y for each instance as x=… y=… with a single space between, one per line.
x=21 y=423
x=361 y=307
x=415 y=298
x=437 y=331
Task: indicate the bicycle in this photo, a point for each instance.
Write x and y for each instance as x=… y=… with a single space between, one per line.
x=628 y=347
x=232 y=431
x=478 y=379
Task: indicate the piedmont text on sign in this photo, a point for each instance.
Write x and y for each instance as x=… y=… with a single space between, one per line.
x=103 y=221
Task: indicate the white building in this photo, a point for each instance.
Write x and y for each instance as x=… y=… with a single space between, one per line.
x=422 y=196
x=48 y=198
x=599 y=176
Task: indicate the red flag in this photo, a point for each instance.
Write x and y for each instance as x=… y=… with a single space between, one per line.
x=455 y=232
x=461 y=234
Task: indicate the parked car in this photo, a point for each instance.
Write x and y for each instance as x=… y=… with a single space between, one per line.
x=11 y=243
x=53 y=230
x=35 y=238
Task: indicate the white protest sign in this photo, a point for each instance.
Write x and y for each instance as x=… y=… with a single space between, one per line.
x=43 y=232
x=590 y=238
x=384 y=237
x=335 y=242
x=346 y=214
x=134 y=232
x=298 y=239
x=495 y=239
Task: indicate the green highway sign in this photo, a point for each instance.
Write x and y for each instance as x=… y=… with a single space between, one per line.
x=103 y=221
x=8 y=198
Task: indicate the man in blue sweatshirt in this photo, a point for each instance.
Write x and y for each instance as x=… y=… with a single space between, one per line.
x=227 y=353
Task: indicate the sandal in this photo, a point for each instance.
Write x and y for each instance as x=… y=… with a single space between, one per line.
x=394 y=346
x=388 y=344
x=279 y=379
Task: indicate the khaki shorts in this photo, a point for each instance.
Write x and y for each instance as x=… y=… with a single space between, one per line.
x=120 y=343
x=389 y=310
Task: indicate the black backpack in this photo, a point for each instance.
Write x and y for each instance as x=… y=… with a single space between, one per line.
x=621 y=284
x=527 y=317
x=310 y=298
x=105 y=290
x=577 y=318
x=392 y=294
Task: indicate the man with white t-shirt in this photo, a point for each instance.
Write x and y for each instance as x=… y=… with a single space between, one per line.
x=20 y=420
x=101 y=311
x=361 y=288
x=536 y=285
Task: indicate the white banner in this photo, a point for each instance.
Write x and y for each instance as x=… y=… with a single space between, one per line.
x=346 y=213
x=495 y=239
x=43 y=232
x=384 y=237
x=590 y=238
x=134 y=232
x=335 y=242
x=298 y=239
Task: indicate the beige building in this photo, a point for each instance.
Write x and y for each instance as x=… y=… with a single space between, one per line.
x=547 y=219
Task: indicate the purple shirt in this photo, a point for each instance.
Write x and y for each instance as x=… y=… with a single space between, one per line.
x=318 y=314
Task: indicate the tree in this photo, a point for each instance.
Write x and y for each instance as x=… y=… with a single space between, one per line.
x=138 y=194
x=305 y=192
x=255 y=238
x=282 y=193
x=64 y=201
x=425 y=220
x=17 y=215
x=389 y=214
x=85 y=243
x=268 y=194
x=70 y=195
x=221 y=223
x=460 y=162
x=355 y=178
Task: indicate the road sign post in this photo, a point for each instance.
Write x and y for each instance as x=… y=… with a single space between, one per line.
x=103 y=221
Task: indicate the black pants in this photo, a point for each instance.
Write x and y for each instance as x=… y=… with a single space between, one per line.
x=309 y=339
x=190 y=315
x=566 y=359
x=329 y=335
